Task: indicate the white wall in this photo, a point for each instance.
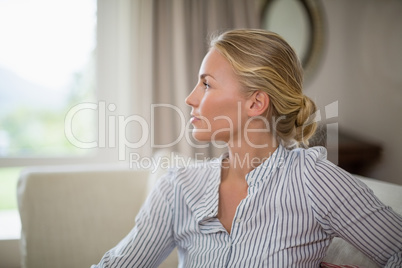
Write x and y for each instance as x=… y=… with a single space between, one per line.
x=362 y=69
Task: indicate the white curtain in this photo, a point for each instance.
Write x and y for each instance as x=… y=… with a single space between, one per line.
x=168 y=40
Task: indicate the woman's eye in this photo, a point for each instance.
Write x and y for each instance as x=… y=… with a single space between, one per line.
x=206 y=85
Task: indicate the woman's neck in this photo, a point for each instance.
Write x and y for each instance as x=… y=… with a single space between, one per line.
x=247 y=154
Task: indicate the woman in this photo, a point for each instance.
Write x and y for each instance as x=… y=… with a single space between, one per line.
x=265 y=203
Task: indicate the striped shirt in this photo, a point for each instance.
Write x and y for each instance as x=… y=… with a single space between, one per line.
x=297 y=202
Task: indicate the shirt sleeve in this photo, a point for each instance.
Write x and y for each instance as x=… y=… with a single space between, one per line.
x=151 y=239
x=347 y=208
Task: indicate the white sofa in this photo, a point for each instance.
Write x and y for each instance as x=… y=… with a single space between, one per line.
x=72 y=215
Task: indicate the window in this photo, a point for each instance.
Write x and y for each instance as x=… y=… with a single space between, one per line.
x=47 y=66
x=47 y=55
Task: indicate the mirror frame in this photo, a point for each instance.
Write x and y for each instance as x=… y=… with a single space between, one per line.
x=316 y=40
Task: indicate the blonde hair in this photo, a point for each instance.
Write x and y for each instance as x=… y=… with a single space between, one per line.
x=264 y=61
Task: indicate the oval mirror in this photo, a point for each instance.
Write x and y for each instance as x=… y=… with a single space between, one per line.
x=301 y=23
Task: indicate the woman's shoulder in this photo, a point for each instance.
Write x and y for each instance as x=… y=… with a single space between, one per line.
x=301 y=157
x=312 y=160
x=320 y=174
x=316 y=153
x=314 y=165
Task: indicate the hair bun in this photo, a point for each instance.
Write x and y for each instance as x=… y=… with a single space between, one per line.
x=305 y=121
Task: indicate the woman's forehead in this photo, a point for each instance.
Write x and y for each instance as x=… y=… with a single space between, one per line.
x=215 y=65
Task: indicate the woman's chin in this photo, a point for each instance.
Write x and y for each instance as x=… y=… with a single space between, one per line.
x=201 y=137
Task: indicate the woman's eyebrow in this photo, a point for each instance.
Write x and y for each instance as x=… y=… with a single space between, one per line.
x=202 y=76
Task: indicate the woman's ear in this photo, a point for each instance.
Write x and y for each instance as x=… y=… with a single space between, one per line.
x=258 y=103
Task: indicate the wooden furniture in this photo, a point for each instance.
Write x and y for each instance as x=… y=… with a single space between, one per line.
x=356 y=155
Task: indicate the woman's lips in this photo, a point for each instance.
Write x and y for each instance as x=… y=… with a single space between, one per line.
x=194 y=119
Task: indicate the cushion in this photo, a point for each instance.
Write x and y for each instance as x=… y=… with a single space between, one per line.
x=330 y=265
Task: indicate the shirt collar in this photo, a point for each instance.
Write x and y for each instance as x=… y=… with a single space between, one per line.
x=207 y=209
x=267 y=167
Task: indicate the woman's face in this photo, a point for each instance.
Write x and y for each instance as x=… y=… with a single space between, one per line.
x=217 y=103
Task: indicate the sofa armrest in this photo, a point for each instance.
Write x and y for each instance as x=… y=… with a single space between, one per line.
x=72 y=215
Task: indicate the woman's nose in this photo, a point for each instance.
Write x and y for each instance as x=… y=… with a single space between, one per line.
x=191 y=99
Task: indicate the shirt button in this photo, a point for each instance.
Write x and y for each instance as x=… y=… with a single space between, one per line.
x=229 y=244
x=238 y=220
